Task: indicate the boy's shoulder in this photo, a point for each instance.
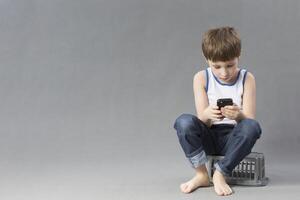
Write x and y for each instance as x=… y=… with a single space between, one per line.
x=200 y=77
x=249 y=74
x=249 y=79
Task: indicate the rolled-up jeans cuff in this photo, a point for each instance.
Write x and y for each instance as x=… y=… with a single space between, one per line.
x=198 y=159
x=217 y=167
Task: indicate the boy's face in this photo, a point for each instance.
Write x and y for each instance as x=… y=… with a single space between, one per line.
x=225 y=71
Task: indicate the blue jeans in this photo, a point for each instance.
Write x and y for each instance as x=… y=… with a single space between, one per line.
x=234 y=142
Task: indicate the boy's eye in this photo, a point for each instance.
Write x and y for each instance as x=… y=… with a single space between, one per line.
x=229 y=65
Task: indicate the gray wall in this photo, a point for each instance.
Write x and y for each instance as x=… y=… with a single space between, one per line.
x=103 y=81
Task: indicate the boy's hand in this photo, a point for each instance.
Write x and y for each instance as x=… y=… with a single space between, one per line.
x=213 y=113
x=231 y=112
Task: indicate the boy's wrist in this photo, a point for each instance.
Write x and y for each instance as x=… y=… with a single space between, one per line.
x=205 y=120
x=240 y=117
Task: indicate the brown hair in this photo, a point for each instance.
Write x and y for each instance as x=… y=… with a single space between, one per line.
x=221 y=44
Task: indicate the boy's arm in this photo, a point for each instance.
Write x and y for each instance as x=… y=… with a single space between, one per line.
x=201 y=99
x=249 y=98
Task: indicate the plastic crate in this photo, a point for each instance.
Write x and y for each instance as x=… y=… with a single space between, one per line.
x=250 y=171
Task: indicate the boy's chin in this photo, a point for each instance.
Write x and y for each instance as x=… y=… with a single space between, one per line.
x=228 y=80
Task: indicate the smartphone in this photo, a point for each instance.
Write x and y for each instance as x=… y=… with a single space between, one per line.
x=224 y=102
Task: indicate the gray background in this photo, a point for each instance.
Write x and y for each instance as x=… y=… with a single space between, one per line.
x=90 y=91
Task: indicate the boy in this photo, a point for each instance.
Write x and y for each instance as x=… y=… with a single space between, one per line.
x=230 y=131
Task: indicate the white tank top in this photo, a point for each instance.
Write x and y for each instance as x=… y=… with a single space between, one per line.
x=215 y=89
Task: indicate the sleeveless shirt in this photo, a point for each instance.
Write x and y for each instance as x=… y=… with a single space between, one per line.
x=215 y=89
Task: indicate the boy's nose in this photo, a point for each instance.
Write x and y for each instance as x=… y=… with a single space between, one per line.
x=224 y=74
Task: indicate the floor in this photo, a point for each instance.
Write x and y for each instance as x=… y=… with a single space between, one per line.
x=128 y=179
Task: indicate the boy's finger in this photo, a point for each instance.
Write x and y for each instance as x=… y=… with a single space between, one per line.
x=215 y=107
x=217 y=116
x=216 y=112
x=229 y=111
x=224 y=109
x=231 y=107
x=235 y=106
x=214 y=116
x=224 y=114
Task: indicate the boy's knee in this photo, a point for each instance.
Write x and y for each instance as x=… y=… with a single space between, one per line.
x=252 y=128
x=184 y=122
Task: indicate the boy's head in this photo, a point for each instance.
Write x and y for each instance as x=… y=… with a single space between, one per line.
x=221 y=44
x=222 y=48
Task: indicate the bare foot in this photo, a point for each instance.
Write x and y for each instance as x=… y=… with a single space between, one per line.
x=200 y=180
x=220 y=185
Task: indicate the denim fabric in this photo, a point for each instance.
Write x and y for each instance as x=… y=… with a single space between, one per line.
x=234 y=142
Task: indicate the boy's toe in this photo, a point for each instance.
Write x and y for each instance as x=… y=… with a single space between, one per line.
x=183 y=187
x=228 y=191
x=219 y=192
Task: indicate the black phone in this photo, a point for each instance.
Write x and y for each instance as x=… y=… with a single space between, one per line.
x=224 y=102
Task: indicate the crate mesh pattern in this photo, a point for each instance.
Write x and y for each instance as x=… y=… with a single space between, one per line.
x=250 y=171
